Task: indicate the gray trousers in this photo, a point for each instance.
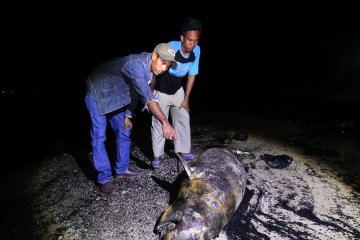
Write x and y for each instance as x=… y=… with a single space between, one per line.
x=180 y=119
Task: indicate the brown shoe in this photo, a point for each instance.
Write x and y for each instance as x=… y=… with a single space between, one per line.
x=129 y=173
x=107 y=188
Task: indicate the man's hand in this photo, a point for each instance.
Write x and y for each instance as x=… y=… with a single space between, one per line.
x=185 y=105
x=169 y=132
x=189 y=85
x=127 y=123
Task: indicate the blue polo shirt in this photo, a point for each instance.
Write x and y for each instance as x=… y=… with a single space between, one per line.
x=171 y=81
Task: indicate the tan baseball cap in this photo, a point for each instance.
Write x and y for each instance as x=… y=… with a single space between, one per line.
x=165 y=51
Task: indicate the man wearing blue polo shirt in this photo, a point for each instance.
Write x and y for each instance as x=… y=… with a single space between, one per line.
x=171 y=94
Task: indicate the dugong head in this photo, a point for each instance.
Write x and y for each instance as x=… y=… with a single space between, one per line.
x=183 y=225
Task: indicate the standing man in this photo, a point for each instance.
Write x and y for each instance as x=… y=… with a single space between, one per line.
x=171 y=95
x=113 y=90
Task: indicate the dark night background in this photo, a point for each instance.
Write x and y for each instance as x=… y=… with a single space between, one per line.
x=286 y=60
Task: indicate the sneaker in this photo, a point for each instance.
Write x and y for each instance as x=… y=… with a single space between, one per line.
x=188 y=156
x=156 y=164
x=129 y=173
x=107 y=188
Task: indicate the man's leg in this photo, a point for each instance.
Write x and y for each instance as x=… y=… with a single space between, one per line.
x=123 y=142
x=181 y=123
x=98 y=137
x=157 y=135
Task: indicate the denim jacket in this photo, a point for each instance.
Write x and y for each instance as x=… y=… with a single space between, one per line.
x=121 y=82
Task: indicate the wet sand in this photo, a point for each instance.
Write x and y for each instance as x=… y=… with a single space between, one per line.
x=315 y=197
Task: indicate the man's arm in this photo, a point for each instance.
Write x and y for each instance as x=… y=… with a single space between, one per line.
x=130 y=109
x=152 y=85
x=189 y=85
x=168 y=130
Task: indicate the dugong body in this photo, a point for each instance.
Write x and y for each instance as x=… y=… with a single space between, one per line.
x=207 y=199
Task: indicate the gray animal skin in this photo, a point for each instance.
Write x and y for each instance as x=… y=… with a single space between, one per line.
x=207 y=199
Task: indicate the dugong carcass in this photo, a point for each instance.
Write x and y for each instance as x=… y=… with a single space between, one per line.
x=207 y=198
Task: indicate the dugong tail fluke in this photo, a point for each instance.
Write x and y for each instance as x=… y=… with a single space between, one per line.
x=207 y=199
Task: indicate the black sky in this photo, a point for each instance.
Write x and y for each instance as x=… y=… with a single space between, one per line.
x=249 y=53
x=63 y=43
x=52 y=48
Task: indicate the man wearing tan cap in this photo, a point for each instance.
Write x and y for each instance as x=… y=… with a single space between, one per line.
x=113 y=90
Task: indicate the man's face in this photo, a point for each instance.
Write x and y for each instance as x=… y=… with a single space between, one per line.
x=159 y=65
x=189 y=40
